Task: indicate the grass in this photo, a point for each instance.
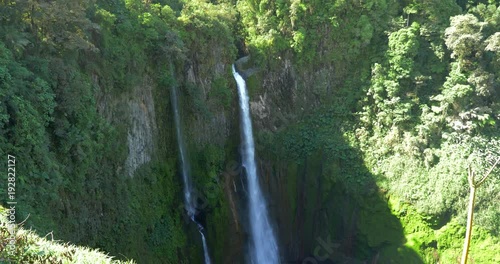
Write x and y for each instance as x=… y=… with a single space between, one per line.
x=31 y=248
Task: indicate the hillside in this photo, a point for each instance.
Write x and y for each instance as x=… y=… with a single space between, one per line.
x=31 y=248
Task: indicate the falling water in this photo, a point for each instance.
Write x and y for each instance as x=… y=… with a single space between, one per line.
x=263 y=247
x=205 y=248
x=188 y=197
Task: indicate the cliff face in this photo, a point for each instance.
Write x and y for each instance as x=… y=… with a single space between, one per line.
x=99 y=140
x=323 y=201
x=307 y=199
x=317 y=214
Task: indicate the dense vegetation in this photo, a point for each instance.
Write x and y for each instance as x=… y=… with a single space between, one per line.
x=384 y=99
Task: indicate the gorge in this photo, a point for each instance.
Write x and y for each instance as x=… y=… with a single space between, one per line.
x=344 y=136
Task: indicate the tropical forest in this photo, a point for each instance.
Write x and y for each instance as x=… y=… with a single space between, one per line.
x=250 y=131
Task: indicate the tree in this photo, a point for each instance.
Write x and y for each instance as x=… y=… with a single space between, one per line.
x=465 y=38
x=470 y=90
x=473 y=185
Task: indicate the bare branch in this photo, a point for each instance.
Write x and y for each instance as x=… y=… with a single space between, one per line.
x=488 y=173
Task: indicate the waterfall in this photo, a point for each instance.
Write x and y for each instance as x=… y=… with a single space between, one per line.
x=190 y=203
x=188 y=199
x=263 y=246
x=205 y=247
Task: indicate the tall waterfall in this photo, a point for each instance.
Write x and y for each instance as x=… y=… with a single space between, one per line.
x=190 y=203
x=263 y=246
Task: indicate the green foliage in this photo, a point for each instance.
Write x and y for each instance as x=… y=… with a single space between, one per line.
x=322 y=132
x=408 y=89
x=471 y=42
x=31 y=248
x=314 y=31
x=403 y=47
x=159 y=225
x=418 y=134
x=220 y=91
x=211 y=22
x=442 y=244
x=377 y=227
x=27 y=109
x=54 y=74
x=208 y=164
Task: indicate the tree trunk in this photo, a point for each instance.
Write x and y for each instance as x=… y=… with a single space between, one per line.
x=473 y=185
x=468 y=232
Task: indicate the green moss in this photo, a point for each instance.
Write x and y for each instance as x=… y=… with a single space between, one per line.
x=377 y=224
x=254 y=85
x=418 y=232
x=313 y=169
x=332 y=170
x=395 y=254
x=221 y=92
x=207 y=165
x=484 y=247
x=445 y=244
x=149 y=218
x=218 y=221
x=292 y=181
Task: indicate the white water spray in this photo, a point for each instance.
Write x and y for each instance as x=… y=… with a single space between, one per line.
x=263 y=246
x=189 y=201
